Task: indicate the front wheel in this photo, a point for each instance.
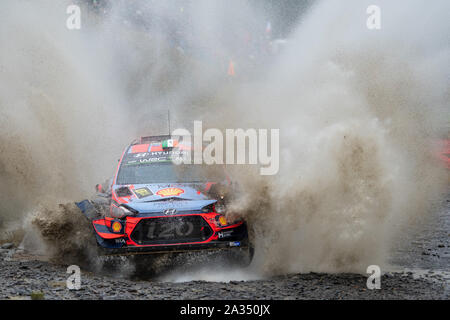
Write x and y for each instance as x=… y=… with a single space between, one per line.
x=241 y=257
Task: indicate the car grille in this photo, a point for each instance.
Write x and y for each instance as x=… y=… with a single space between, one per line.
x=169 y=230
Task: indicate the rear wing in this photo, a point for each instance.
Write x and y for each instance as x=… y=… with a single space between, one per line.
x=156 y=139
x=150 y=139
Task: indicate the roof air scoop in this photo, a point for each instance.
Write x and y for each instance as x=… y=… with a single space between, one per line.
x=123 y=192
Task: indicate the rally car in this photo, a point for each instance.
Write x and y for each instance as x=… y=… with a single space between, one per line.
x=153 y=205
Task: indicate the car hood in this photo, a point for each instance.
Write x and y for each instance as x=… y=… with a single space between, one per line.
x=154 y=198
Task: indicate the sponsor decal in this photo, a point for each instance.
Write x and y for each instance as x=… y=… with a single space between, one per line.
x=170 y=211
x=167 y=192
x=120 y=241
x=116 y=226
x=152 y=156
x=225 y=234
x=142 y=192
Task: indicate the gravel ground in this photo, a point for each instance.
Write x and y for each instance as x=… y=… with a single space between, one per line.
x=428 y=246
x=423 y=273
x=21 y=279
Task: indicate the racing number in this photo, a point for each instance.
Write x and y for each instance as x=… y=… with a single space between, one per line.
x=180 y=230
x=170 y=230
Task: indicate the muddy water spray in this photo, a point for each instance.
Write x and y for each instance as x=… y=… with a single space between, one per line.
x=356 y=109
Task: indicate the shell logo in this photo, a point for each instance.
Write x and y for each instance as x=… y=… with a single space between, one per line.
x=170 y=192
x=116 y=226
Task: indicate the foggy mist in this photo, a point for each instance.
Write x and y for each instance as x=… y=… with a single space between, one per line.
x=357 y=110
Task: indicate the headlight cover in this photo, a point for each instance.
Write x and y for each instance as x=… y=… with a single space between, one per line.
x=208 y=208
x=122 y=211
x=220 y=208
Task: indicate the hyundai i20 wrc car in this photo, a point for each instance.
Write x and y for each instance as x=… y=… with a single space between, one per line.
x=153 y=205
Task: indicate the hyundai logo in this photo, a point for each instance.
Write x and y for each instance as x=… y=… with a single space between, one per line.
x=170 y=211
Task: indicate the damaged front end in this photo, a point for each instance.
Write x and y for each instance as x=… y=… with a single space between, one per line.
x=169 y=225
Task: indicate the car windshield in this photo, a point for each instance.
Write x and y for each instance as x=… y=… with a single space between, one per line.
x=167 y=172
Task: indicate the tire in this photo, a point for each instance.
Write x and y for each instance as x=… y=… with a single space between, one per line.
x=241 y=257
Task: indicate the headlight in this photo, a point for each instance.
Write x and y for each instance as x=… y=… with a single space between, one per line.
x=122 y=211
x=223 y=221
x=220 y=208
x=220 y=221
x=208 y=208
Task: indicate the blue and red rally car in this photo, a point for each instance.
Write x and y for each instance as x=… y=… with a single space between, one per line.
x=154 y=205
